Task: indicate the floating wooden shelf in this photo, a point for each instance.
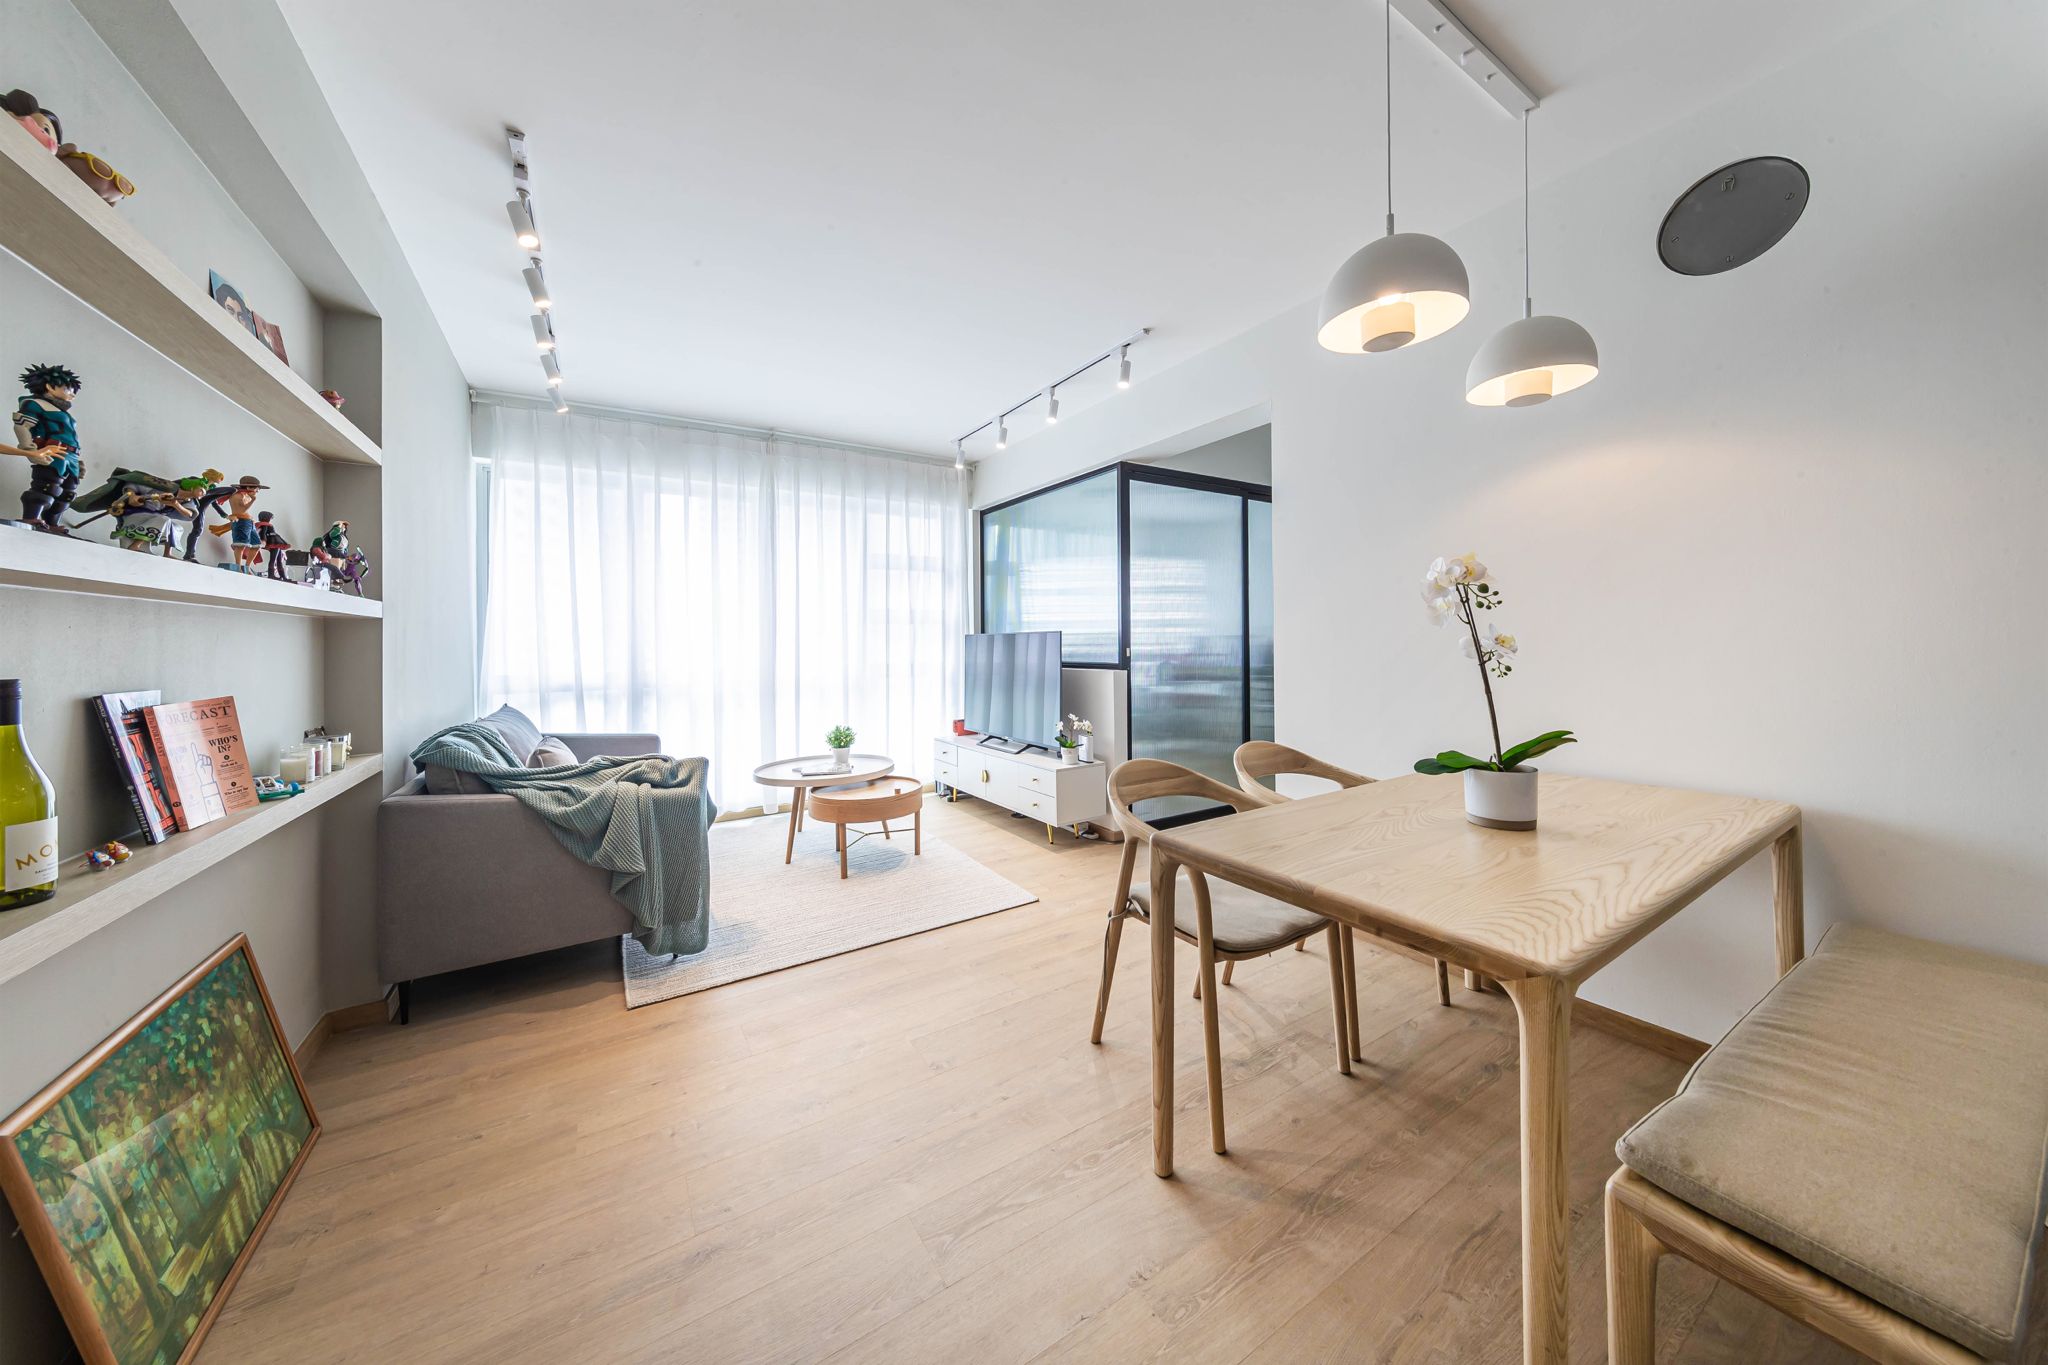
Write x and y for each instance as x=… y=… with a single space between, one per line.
x=87 y=902
x=51 y=220
x=33 y=559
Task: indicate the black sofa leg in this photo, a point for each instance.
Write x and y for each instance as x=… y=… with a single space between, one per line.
x=405 y=1002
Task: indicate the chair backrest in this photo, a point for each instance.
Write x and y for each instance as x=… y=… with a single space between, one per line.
x=1263 y=758
x=1142 y=779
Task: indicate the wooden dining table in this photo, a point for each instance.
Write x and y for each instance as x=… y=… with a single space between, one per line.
x=1537 y=911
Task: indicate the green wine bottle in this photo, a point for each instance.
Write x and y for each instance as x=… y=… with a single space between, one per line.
x=28 y=811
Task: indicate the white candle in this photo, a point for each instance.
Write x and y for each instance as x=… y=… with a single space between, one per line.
x=296 y=765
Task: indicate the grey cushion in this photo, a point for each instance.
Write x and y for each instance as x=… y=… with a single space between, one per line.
x=449 y=782
x=552 y=753
x=1242 y=921
x=1881 y=1116
x=521 y=735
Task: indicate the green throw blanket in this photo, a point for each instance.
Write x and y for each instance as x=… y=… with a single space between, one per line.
x=644 y=820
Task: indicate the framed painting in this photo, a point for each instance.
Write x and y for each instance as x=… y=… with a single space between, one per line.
x=144 y=1176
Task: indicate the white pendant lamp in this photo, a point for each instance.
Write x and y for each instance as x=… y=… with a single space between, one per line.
x=1536 y=358
x=1404 y=288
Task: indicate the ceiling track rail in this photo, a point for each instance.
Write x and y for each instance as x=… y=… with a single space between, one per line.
x=1434 y=20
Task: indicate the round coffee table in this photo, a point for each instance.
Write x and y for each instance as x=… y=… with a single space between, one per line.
x=807 y=774
x=884 y=799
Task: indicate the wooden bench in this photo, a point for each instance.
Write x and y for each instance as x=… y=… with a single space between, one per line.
x=1866 y=1151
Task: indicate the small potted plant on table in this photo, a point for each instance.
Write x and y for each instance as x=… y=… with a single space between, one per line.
x=840 y=740
x=1500 y=792
x=1083 y=734
x=1069 y=744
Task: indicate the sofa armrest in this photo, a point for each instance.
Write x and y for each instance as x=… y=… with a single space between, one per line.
x=616 y=745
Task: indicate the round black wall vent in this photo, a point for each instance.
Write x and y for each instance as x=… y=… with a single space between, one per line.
x=1733 y=216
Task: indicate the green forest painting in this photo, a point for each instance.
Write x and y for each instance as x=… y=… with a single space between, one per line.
x=155 y=1168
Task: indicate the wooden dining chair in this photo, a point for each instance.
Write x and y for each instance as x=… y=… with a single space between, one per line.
x=1227 y=925
x=1262 y=758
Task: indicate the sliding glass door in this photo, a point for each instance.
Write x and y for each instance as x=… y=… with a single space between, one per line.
x=1198 y=676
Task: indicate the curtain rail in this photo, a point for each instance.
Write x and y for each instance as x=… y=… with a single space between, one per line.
x=515 y=400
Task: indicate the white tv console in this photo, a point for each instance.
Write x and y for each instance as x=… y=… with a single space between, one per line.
x=1035 y=785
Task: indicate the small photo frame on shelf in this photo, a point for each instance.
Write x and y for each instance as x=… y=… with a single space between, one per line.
x=144 y=1176
x=271 y=335
x=230 y=298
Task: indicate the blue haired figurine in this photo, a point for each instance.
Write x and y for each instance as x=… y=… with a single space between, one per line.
x=47 y=438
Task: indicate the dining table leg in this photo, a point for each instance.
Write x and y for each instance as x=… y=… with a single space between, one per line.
x=1165 y=872
x=1788 y=894
x=796 y=815
x=1544 y=1007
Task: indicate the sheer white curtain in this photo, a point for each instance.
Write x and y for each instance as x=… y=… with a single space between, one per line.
x=734 y=594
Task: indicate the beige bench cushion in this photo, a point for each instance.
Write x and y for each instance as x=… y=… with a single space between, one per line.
x=1882 y=1116
x=1242 y=920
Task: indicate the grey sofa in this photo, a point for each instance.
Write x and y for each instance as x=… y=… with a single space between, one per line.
x=468 y=877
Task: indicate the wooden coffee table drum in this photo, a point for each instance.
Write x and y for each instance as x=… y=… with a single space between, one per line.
x=877 y=802
x=1397 y=859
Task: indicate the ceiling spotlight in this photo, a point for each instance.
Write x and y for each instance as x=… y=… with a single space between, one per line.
x=554 y=369
x=1123 y=366
x=537 y=287
x=522 y=224
x=543 y=335
x=960 y=453
x=1052 y=405
x=1404 y=288
x=561 y=403
x=1003 y=432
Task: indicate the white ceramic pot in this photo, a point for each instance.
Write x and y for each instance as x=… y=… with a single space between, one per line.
x=1501 y=800
x=1069 y=757
x=842 y=760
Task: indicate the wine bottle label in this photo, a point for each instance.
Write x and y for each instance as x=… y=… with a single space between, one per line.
x=31 y=854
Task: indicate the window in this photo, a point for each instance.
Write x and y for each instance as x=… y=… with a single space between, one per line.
x=1049 y=562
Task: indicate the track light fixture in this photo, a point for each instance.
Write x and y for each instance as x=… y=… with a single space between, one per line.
x=543 y=335
x=960 y=453
x=553 y=368
x=538 y=287
x=561 y=404
x=1051 y=392
x=522 y=224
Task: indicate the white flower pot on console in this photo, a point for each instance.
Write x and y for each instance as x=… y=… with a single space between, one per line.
x=1501 y=800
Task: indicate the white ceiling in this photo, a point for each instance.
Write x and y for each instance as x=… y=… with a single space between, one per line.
x=881 y=222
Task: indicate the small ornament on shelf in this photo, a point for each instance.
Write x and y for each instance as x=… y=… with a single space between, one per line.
x=46 y=436
x=106 y=855
x=274 y=788
x=28 y=111
x=332 y=397
x=275 y=544
x=241 y=524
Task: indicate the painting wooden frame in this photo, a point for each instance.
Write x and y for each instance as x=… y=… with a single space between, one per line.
x=61 y=1269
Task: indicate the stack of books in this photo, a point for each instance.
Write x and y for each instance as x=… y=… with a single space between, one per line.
x=183 y=762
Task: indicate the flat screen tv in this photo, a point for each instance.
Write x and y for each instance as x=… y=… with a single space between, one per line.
x=1013 y=686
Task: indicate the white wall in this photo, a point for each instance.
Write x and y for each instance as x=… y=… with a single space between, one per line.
x=1785 y=545
x=1246 y=456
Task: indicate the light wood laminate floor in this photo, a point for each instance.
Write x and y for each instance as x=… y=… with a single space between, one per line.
x=912 y=1153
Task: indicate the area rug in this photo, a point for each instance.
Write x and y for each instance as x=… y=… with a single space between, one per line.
x=765 y=916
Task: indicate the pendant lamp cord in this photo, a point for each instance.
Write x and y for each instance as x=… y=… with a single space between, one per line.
x=1388 y=48
x=1528 y=303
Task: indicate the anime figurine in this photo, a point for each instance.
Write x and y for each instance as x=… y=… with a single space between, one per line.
x=148 y=517
x=353 y=571
x=247 y=538
x=48 y=440
x=326 y=553
x=106 y=855
x=28 y=111
x=273 y=541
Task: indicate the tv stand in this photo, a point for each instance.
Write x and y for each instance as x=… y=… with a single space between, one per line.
x=1036 y=786
x=1001 y=745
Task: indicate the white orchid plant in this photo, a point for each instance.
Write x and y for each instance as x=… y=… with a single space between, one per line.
x=1458 y=591
x=1068 y=736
